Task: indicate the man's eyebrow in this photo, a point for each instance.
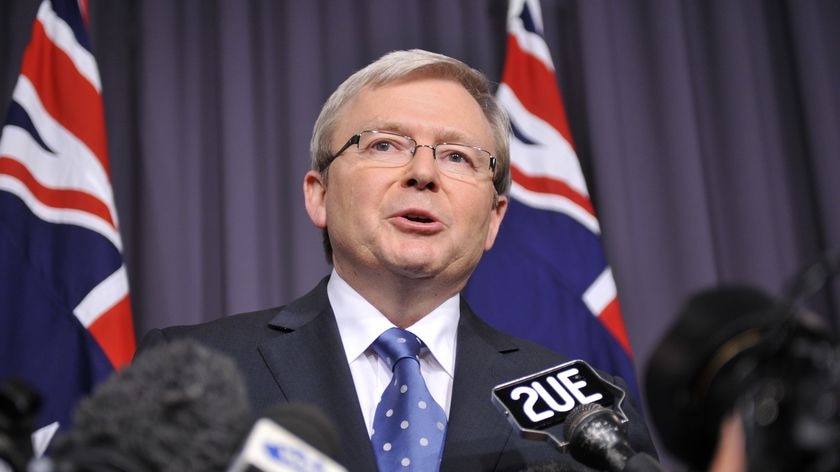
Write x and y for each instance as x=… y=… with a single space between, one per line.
x=388 y=126
x=441 y=136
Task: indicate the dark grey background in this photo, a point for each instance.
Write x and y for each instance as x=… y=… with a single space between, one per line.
x=708 y=132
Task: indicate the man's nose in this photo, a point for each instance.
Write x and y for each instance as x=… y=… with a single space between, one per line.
x=422 y=171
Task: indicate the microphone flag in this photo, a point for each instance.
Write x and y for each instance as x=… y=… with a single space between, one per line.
x=546 y=278
x=539 y=405
x=65 y=315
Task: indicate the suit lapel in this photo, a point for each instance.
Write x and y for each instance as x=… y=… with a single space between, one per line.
x=309 y=365
x=477 y=431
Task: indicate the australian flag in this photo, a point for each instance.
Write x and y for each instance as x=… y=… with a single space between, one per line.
x=65 y=316
x=546 y=278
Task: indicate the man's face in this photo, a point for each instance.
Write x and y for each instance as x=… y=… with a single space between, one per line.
x=412 y=221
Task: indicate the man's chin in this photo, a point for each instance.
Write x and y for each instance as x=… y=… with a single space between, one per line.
x=415 y=266
x=415 y=270
x=420 y=268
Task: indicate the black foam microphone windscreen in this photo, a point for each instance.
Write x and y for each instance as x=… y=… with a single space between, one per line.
x=597 y=437
x=19 y=405
x=177 y=407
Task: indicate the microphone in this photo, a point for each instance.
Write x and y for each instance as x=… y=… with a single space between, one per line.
x=290 y=438
x=178 y=406
x=19 y=405
x=538 y=405
x=598 y=438
x=578 y=411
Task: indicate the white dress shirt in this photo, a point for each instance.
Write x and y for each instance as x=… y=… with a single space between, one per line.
x=359 y=324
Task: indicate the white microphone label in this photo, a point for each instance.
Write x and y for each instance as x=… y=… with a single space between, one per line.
x=271 y=448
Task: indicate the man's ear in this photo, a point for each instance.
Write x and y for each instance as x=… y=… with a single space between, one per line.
x=498 y=214
x=315 y=197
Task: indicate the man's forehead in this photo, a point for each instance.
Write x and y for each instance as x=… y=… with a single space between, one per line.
x=391 y=117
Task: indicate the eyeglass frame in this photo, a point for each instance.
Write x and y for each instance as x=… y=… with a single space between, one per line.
x=356 y=138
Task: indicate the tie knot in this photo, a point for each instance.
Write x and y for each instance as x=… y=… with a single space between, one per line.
x=395 y=344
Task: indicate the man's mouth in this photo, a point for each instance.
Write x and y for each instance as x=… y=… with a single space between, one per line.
x=418 y=219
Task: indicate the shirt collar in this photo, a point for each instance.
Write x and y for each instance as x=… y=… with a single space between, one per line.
x=360 y=323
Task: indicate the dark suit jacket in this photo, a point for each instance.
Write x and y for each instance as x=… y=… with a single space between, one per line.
x=294 y=353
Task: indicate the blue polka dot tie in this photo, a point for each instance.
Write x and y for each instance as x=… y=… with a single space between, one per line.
x=408 y=426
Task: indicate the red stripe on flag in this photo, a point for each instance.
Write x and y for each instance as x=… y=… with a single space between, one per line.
x=67 y=96
x=114 y=331
x=535 y=87
x=83 y=9
x=552 y=186
x=56 y=198
x=612 y=319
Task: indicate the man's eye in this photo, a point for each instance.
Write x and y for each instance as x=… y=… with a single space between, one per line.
x=456 y=157
x=382 y=146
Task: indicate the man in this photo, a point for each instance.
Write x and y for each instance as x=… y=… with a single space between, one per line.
x=409 y=181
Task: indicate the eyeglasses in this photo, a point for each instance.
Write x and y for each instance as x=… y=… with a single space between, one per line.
x=394 y=150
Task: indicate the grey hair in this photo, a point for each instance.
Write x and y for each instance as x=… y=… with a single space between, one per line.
x=399 y=65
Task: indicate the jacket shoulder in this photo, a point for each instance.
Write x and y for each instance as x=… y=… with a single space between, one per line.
x=219 y=333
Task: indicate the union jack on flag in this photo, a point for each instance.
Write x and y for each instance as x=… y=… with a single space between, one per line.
x=546 y=278
x=65 y=316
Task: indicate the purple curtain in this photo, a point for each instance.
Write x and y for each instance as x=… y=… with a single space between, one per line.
x=708 y=131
